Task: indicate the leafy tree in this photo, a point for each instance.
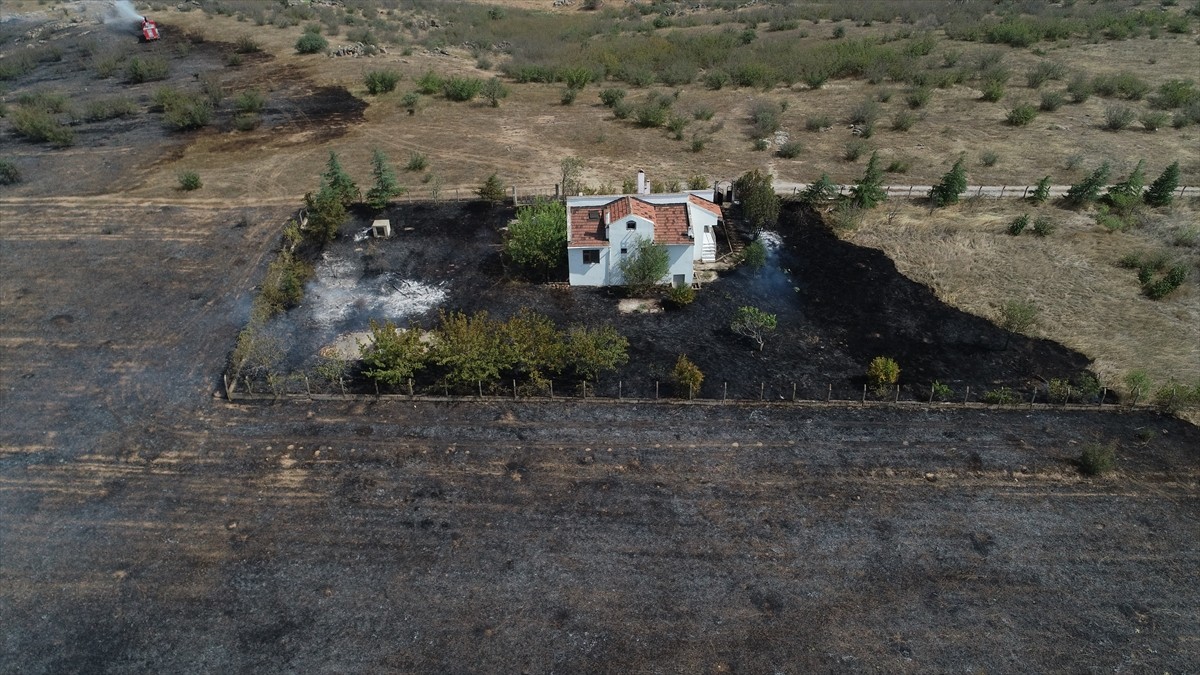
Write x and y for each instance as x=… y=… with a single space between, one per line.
x=1138 y=384
x=492 y=189
x=755 y=254
x=1127 y=194
x=333 y=368
x=311 y=43
x=755 y=193
x=325 y=215
x=493 y=90
x=1162 y=189
x=1042 y=191
x=753 y=323
x=471 y=348
x=1017 y=316
x=592 y=351
x=393 y=356
x=687 y=376
x=953 y=184
x=536 y=345
x=644 y=267
x=381 y=81
x=821 y=191
x=283 y=284
x=339 y=182
x=464 y=89
x=257 y=350
x=882 y=373
x=1086 y=191
x=385 y=186
x=537 y=239
x=572 y=173
x=868 y=192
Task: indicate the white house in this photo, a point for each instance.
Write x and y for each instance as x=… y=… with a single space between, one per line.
x=601 y=229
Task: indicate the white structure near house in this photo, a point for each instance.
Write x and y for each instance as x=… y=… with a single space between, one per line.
x=602 y=229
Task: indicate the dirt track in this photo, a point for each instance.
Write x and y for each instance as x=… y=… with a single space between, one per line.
x=148 y=527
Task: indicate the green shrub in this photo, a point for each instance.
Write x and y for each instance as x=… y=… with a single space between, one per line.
x=1080 y=88
x=311 y=43
x=1022 y=115
x=461 y=88
x=899 y=165
x=246 y=121
x=1154 y=119
x=9 y=173
x=1175 y=94
x=953 y=183
x=146 y=69
x=865 y=113
x=612 y=96
x=107 y=109
x=818 y=122
x=189 y=180
x=1001 y=396
x=1161 y=191
x=1051 y=101
x=687 y=377
x=681 y=296
x=790 y=150
x=703 y=113
x=992 y=91
x=416 y=162
x=755 y=255
x=410 y=101
x=854 y=149
x=429 y=83
x=1043 y=226
x=917 y=98
x=249 y=101
x=568 y=95
x=651 y=113
x=883 y=373
x=1097 y=458
x=989 y=158
x=381 y=81
x=1117 y=117
x=716 y=79
x=1018 y=224
x=1122 y=85
x=1041 y=192
x=941 y=391
x=40 y=126
x=246 y=45
x=1043 y=72
x=903 y=121
x=1087 y=190
x=188 y=111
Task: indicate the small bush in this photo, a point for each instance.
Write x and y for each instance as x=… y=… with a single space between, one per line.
x=899 y=166
x=882 y=373
x=755 y=255
x=1080 y=88
x=716 y=79
x=429 y=83
x=246 y=45
x=381 y=81
x=989 y=158
x=1152 y=120
x=1018 y=224
x=1022 y=115
x=9 y=173
x=681 y=296
x=246 y=121
x=1175 y=94
x=461 y=88
x=1043 y=72
x=416 y=162
x=854 y=149
x=40 y=126
x=703 y=113
x=1117 y=117
x=760 y=144
x=1097 y=458
x=917 y=98
x=817 y=123
x=1051 y=101
x=189 y=180
x=1043 y=226
x=612 y=96
x=568 y=95
x=1001 y=396
x=865 y=113
x=992 y=91
x=187 y=111
x=311 y=43
x=249 y=101
x=1041 y=192
x=903 y=121
x=107 y=109
x=687 y=377
x=941 y=391
x=790 y=150
x=146 y=69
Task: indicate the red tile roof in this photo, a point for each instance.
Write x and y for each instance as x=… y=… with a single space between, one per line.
x=670 y=220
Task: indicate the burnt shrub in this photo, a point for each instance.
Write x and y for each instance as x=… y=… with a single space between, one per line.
x=9 y=173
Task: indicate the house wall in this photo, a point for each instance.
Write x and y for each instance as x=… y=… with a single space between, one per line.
x=700 y=219
x=681 y=263
x=588 y=275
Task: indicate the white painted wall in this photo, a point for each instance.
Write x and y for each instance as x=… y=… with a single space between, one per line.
x=681 y=263
x=588 y=275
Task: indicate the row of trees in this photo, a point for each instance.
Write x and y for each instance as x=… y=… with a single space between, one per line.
x=477 y=349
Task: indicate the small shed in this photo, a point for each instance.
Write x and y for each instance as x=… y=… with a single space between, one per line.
x=381 y=229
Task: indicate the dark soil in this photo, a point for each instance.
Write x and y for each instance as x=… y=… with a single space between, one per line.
x=838 y=306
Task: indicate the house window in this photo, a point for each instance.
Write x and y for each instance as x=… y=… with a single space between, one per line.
x=593 y=215
x=591 y=256
x=631 y=224
x=624 y=250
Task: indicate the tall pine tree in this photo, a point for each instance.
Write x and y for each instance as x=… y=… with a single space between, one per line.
x=385 y=186
x=868 y=192
x=336 y=180
x=1160 y=192
x=1087 y=190
x=953 y=184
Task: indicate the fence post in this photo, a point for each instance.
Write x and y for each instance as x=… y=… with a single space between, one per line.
x=377 y=387
x=931 y=394
x=585 y=389
x=656 y=390
x=552 y=389
x=690 y=391
x=910 y=189
x=725 y=392
x=1025 y=193
x=1103 y=395
x=762 y=391
x=967 y=396
x=1002 y=187
x=446 y=384
x=307 y=390
x=979 y=192
x=1068 y=399
x=514 y=388
x=829 y=393
x=1033 y=398
x=793 y=392
x=620 y=388
x=897 y=399
x=864 y=398
x=480 y=383
x=514 y=195
x=410 y=388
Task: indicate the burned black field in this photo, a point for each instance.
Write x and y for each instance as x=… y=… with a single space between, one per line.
x=838 y=306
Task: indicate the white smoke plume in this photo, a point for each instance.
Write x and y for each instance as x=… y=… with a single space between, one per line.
x=123 y=11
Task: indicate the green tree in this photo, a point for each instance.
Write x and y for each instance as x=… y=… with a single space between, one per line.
x=536 y=345
x=756 y=194
x=393 y=356
x=644 y=267
x=1042 y=191
x=753 y=323
x=493 y=90
x=821 y=191
x=325 y=216
x=1138 y=383
x=257 y=350
x=868 y=192
x=386 y=185
x=537 y=239
x=339 y=182
x=1016 y=316
x=332 y=368
x=572 y=173
x=471 y=348
x=687 y=376
x=953 y=184
x=882 y=373
x=311 y=43
x=591 y=351
x=1162 y=189
x=1087 y=190
x=1127 y=194
x=492 y=189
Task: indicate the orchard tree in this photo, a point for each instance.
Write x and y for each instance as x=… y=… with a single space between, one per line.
x=471 y=348
x=536 y=345
x=393 y=356
x=385 y=186
x=591 y=351
x=537 y=239
x=572 y=175
x=325 y=215
x=644 y=266
x=953 y=184
x=687 y=376
x=492 y=189
x=760 y=205
x=753 y=323
x=494 y=90
x=868 y=192
x=1016 y=316
x=1162 y=189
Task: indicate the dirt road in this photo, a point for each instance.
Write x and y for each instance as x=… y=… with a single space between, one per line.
x=147 y=527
